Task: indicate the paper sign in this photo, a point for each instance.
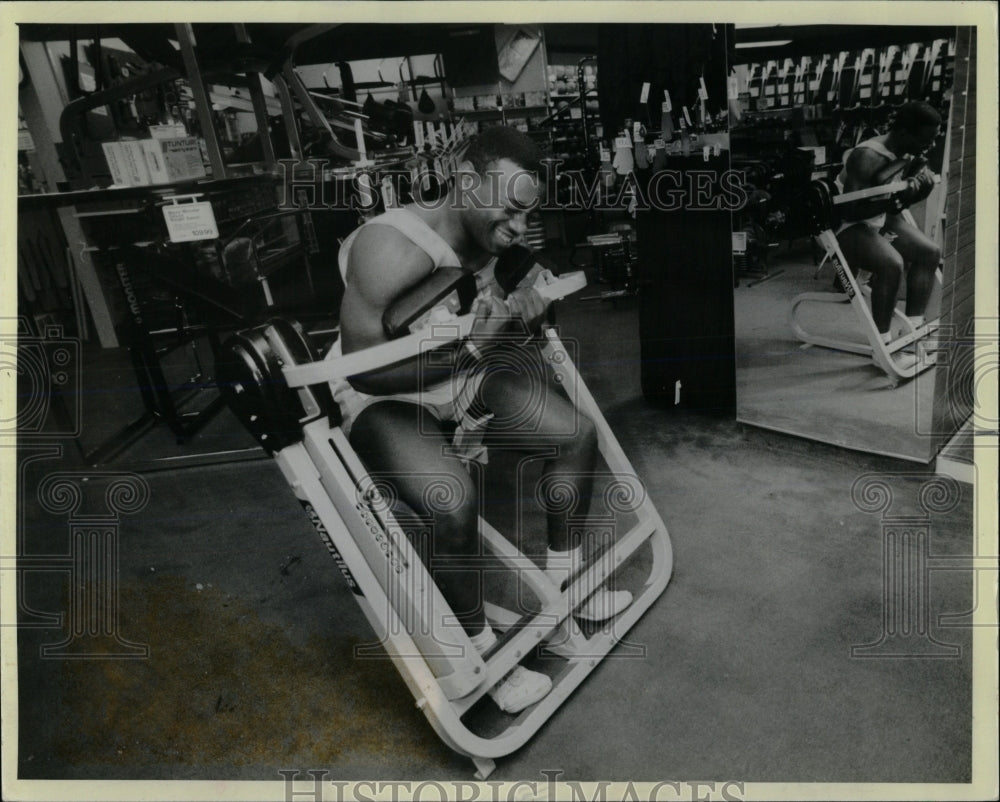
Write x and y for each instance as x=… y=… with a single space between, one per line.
x=687 y=117
x=666 y=101
x=644 y=94
x=739 y=242
x=702 y=91
x=734 y=89
x=189 y=222
x=171 y=131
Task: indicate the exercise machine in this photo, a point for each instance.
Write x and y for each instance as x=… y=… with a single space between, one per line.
x=906 y=355
x=278 y=387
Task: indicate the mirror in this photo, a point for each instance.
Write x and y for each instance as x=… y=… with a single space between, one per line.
x=808 y=360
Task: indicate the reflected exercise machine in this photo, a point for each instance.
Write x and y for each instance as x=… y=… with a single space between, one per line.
x=906 y=354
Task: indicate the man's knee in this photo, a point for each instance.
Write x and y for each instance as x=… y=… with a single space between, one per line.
x=888 y=267
x=452 y=506
x=585 y=435
x=930 y=254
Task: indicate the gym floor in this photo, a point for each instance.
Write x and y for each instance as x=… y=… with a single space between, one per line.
x=832 y=396
x=747 y=672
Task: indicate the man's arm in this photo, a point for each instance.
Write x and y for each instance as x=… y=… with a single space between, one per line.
x=861 y=167
x=382 y=265
x=866 y=169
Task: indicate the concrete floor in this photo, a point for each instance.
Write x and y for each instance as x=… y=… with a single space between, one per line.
x=748 y=673
x=831 y=396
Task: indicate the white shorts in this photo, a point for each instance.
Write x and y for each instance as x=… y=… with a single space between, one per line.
x=448 y=401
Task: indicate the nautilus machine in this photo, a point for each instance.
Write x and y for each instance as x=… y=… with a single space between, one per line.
x=278 y=387
x=908 y=353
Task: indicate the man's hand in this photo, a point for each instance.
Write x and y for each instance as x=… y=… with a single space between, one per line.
x=525 y=303
x=492 y=317
x=921 y=185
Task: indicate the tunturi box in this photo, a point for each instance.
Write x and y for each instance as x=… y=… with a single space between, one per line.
x=170 y=160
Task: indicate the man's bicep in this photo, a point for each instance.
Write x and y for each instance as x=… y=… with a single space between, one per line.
x=382 y=264
x=861 y=166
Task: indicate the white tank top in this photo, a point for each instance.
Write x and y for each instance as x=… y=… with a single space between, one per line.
x=877 y=222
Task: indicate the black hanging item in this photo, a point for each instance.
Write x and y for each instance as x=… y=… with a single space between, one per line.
x=426 y=103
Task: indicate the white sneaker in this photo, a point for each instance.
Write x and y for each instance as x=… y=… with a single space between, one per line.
x=604 y=604
x=520 y=689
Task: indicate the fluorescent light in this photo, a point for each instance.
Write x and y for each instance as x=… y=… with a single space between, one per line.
x=775 y=43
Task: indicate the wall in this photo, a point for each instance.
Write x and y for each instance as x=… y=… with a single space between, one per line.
x=954 y=390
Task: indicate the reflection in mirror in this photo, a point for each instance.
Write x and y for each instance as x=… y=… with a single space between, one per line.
x=843 y=139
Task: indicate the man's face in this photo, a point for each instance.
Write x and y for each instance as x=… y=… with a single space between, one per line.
x=918 y=140
x=498 y=204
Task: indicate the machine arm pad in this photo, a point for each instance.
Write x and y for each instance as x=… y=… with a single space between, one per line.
x=447 y=292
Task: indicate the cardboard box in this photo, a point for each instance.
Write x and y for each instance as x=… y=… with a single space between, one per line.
x=114 y=156
x=170 y=160
x=135 y=163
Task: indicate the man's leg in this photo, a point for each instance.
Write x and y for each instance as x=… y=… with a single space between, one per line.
x=523 y=402
x=866 y=249
x=389 y=439
x=922 y=256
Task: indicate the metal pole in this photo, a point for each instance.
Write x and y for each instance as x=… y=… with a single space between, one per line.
x=259 y=103
x=202 y=103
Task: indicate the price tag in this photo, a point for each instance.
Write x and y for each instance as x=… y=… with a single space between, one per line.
x=667 y=106
x=190 y=222
x=687 y=117
x=169 y=131
x=644 y=94
x=702 y=91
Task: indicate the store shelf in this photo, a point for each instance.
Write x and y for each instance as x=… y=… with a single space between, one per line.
x=508 y=112
x=151 y=191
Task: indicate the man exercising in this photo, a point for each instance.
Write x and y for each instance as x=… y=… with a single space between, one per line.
x=887 y=245
x=397 y=417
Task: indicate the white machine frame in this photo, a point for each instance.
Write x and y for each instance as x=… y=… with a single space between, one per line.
x=445 y=673
x=902 y=357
